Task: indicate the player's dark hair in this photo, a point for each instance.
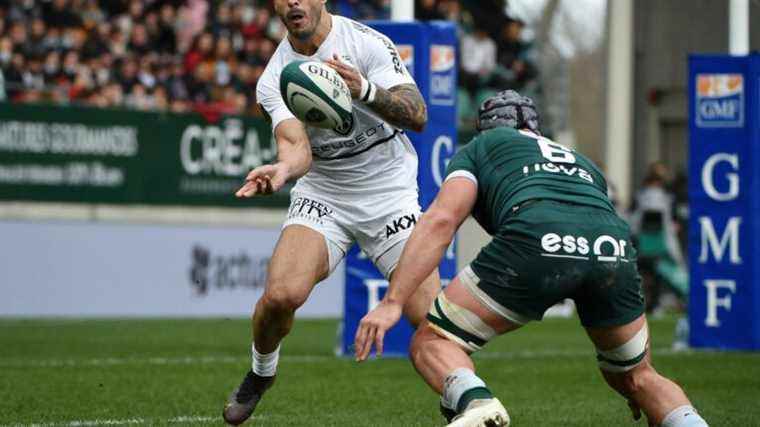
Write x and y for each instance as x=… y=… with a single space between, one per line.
x=509 y=109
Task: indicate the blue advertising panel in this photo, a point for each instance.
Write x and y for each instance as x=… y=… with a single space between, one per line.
x=724 y=197
x=429 y=52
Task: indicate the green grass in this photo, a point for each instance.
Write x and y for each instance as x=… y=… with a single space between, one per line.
x=152 y=371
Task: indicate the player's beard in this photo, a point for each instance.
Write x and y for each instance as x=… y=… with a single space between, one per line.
x=313 y=16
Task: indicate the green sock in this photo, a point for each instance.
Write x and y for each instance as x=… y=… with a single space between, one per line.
x=472 y=394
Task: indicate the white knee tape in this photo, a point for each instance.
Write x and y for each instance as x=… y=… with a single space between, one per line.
x=459 y=324
x=627 y=356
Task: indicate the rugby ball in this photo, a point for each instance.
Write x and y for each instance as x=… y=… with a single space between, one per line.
x=317 y=95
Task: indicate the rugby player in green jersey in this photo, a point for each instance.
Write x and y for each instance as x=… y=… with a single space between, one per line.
x=555 y=236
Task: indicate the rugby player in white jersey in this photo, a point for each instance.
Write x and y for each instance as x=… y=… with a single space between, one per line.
x=350 y=184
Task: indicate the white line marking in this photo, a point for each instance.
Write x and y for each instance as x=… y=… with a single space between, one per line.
x=530 y=354
x=207 y=360
x=116 y=361
x=185 y=419
x=584 y=258
x=194 y=419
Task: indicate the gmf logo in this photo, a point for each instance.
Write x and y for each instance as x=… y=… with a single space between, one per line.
x=720 y=100
x=442 y=75
x=442 y=58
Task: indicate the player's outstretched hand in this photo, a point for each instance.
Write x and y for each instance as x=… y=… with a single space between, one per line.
x=350 y=74
x=263 y=180
x=373 y=327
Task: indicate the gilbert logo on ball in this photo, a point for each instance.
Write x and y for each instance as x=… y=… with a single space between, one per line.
x=317 y=95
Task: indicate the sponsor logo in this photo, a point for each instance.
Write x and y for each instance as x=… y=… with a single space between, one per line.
x=569 y=170
x=442 y=75
x=407 y=56
x=605 y=248
x=367 y=136
x=720 y=100
x=399 y=224
x=442 y=58
x=314 y=210
x=225 y=272
x=228 y=150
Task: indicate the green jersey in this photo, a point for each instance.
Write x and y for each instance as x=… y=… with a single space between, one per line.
x=511 y=167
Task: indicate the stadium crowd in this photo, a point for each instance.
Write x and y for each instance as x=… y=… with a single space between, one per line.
x=183 y=55
x=173 y=55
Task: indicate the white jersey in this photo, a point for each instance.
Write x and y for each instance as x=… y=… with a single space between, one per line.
x=375 y=158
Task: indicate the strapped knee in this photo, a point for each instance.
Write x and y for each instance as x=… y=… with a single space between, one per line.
x=459 y=325
x=627 y=356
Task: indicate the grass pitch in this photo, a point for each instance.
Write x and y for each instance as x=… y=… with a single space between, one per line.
x=179 y=372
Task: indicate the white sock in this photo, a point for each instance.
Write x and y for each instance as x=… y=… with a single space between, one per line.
x=456 y=384
x=683 y=416
x=265 y=365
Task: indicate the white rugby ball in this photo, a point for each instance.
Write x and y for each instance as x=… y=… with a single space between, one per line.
x=317 y=95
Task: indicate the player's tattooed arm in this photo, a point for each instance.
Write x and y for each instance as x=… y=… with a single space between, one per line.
x=401 y=106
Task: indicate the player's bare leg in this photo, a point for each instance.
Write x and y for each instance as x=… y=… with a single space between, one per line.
x=419 y=303
x=662 y=400
x=299 y=262
x=443 y=361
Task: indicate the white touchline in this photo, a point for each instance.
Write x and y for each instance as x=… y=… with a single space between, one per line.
x=116 y=361
x=124 y=422
x=193 y=419
x=530 y=354
x=55 y=363
x=81 y=423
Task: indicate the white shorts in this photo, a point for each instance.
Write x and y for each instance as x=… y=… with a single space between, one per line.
x=380 y=225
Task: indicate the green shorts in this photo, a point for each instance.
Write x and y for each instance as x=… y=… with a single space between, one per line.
x=548 y=251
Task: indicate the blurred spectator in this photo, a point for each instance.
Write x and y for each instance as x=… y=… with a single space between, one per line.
x=128 y=74
x=514 y=56
x=490 y=15
x=58 y=14
x=364 y=9
x=201 y=50
x=680 y=189
x=478 y=60
x=166 y=41
x=660 y=259
x=139 y=42
x=428 y=10
x=6 y=51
